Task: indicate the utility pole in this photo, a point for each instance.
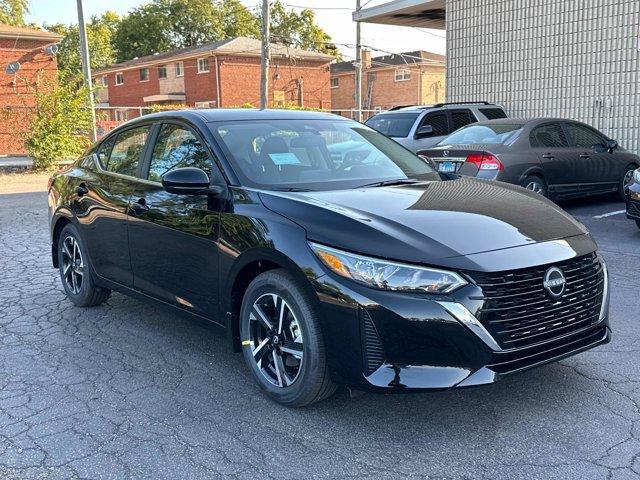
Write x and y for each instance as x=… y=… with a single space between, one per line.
x=266 y=56
x=358 y=65
x=86 y=67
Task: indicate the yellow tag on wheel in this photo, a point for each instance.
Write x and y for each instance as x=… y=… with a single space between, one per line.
x=246 y=343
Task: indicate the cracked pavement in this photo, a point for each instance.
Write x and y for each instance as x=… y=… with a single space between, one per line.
x=127 y=390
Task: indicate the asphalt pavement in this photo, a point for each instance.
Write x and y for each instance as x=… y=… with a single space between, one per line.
x=128 y=390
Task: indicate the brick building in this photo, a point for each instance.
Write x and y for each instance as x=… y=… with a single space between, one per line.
x=411 y=78
x=220 y=74
x=23 y=59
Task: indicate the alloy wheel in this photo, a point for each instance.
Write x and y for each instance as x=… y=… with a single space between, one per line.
x=535 y=187
x=626 y=180
x=276 y=340
x=72 y=265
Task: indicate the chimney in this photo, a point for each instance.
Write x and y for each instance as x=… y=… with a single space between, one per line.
x=366 y=59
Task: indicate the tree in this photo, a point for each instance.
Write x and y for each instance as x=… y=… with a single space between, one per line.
x=300 y=30
x=100 y=33
x=12 y=12
x=59 y=127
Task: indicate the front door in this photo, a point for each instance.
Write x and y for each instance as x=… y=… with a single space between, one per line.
x=597 y=170
x=173 y=238
x=558 y=162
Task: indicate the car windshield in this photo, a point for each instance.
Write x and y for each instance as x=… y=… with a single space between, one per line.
x=315 y=154
x=393 y=124
x=494 y=134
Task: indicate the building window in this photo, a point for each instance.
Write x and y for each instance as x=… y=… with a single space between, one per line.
x=162 y=71
x=179 y=69
x=122 y=116
x=403 y=75
x=144 y=74
x=203 y=65
x=210 y=104
x=119 y=78
x=105 y=81
x=335 y=82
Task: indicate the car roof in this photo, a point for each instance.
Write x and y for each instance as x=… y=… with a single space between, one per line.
x=524 y=121
x=422 y=108
x=230 y=114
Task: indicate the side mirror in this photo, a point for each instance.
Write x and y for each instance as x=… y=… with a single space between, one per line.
x=186 y=181
x=611 y=145
x=424 y=131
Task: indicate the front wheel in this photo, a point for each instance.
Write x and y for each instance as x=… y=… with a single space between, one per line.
x=281 y=340
x=620 y=195
x=535 y=184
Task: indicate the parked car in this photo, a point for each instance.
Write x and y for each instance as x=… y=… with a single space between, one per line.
x=557 y=158
x=633 y=198
x=420 y=127
x=373 y=272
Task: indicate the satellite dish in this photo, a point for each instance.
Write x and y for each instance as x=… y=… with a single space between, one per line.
x=12 y=68
x=51 y=50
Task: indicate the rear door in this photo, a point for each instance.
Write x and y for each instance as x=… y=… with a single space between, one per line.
x=596 y=169
x=102 y=210
x=173 y=238
x=559 y=163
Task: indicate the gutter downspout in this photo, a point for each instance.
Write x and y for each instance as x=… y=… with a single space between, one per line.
x=219 y=102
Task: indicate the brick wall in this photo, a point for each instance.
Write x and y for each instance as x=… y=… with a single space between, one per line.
x=386 y=92
x=17 y=100
x=239 y=83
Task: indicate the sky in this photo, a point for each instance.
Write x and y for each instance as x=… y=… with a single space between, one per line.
x=334 y=16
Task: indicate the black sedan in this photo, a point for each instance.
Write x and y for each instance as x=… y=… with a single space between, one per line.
x=329 y=253
x=633 y=198
x=557 y=158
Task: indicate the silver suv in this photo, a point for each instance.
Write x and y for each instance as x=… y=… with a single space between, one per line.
x=422 y=127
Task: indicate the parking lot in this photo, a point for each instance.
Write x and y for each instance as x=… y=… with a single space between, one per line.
x=127 y=390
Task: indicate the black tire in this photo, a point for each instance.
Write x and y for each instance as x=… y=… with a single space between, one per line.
x=79 y=287
x=536 y=184
x=638 y=223
x=626 y=176
x=312 y=382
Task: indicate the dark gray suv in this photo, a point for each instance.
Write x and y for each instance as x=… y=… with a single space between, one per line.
x=420 y=127
x=557 y=158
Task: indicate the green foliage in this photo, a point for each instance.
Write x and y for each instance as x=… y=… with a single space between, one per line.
x=288 y=106
x=300 y=30
x=60 y=125
x=12 y=12
x=100 y=32
x=163 y=25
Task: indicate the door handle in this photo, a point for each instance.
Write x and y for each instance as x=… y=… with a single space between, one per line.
x=585 y=155
x=548 y=156
x=82 y=190
x=140 y=206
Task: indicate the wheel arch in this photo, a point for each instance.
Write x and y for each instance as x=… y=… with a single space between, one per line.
x=246 y=268
x=60 y=220
x=535 y=170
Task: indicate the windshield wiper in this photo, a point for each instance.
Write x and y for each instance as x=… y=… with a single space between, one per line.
x=291 y=189
x=386 y=183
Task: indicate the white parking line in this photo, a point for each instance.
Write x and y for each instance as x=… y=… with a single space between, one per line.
x=610 y=214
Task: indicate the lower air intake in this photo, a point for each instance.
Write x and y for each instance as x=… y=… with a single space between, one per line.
x=372 y=351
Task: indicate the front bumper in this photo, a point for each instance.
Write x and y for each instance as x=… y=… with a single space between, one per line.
x=388 y=341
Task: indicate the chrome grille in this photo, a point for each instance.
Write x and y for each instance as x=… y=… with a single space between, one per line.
x=518 y=312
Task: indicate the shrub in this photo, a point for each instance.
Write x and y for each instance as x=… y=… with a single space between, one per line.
x=59 y=129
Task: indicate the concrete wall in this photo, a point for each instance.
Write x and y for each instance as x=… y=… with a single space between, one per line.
x=576 y=59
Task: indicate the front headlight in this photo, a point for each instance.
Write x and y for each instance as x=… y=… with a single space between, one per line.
x=636 y=176
x=387 y=275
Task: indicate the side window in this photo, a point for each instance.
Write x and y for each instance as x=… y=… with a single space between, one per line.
x=493 y=113
x=177 y=147
x=104 y=150
x=550 y=136
x=127 y=150
x=461 y=118
x=584 y=137
x=439 y=123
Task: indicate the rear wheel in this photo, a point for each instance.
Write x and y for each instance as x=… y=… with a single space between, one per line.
x=638 y=223
x=75 y=270
x=624 y=181
x=535 y=184
x=282 y=342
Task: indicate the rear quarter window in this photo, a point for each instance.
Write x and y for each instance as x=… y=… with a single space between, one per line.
x=493 y=113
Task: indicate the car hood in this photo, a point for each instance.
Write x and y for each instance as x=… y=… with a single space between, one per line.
x=426 y=222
